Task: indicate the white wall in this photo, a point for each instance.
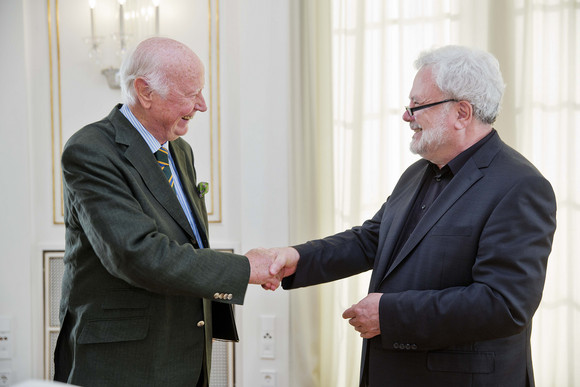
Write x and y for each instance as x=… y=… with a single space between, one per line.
x=16 y=226
x=255 y=122
x=257 y=60
x=264 y=142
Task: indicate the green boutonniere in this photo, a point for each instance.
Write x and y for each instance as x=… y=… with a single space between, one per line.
x=202 y=189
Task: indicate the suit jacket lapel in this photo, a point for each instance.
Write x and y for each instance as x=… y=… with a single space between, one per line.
x=466 y=177
x=139 y=155
x=187 y=176
x=398 y=209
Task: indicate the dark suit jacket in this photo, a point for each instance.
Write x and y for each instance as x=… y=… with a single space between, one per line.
x=460 y=295
x=135 y=307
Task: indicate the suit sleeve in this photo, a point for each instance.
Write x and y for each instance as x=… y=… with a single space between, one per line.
x=102 y=212
x=508 y=278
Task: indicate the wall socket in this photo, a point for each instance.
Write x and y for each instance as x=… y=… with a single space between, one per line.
x=5 y=378
x=5 y=338
x=268 y=378
x=267 y=337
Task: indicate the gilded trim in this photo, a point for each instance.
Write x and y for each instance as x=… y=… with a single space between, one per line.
x=211 y=114
x=209 y=33
x=52 y=109
x=60 y=145
x=55 y=88
x=219 y=115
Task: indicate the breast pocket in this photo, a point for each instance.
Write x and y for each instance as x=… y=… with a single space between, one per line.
x=454 y=248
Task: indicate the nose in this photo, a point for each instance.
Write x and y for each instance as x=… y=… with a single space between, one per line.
x=200 y=103
x=407 y=117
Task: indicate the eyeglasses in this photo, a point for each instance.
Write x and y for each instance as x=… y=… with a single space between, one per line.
x=412 y=110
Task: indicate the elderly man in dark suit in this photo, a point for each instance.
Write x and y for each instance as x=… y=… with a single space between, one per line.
x=143 y=295
x=458 y=251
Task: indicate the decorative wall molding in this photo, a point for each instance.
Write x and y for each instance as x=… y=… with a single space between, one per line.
x=77 y=87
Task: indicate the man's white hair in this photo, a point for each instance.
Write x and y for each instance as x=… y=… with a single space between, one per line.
x=469 y=75
x=143 y=62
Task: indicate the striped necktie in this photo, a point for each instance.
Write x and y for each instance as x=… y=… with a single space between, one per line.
x=163 y=160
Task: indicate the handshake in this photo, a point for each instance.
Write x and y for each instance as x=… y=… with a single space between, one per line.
x=269 y=266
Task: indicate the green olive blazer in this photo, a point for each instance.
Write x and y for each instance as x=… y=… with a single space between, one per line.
x=136 y=305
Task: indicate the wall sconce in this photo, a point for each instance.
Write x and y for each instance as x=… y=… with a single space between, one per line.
x=123 y=21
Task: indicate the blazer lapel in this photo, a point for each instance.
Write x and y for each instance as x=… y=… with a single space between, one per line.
x=187 y=176
x=395 y=215
x=466 y=177
x=140 y=156
x=392 y=225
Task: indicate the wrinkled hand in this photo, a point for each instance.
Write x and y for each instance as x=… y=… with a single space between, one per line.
x=260 y=261
x=284 y=264
x=364 y=316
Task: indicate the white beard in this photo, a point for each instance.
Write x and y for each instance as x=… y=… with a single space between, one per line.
x=430 y=139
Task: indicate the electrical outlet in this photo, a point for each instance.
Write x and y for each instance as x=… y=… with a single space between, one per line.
x=268 y=337
x=5 y=338
x=5 y=378
x=268 y=378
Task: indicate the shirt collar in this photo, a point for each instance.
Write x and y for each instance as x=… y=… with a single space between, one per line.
x=151 y=141
x=459 y=161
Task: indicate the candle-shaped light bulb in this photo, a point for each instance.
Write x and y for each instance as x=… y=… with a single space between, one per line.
x=156 y=4
x=92 y=4
x=121 y=24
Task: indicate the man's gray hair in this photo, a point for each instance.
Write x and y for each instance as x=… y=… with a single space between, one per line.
x=469 y=75
x=142 y=63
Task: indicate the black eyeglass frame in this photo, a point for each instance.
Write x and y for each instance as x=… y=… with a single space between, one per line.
x=412 y=110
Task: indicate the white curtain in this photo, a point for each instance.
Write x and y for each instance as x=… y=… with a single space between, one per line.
x=546 y=83
x=353 y=70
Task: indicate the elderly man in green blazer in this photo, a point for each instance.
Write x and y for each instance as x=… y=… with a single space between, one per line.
x=142 y=294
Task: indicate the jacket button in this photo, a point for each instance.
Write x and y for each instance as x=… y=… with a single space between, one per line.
x=396 y=345
x=230 y=296
x=413 y=346
x=200 y=324
x=216 y=296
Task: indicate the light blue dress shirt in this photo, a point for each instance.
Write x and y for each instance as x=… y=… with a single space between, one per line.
x=154 y=145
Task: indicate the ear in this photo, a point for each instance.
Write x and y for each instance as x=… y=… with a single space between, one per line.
x=144 y=92
x=464 y=115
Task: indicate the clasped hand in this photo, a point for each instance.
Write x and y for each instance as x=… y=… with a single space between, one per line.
x=269 y=266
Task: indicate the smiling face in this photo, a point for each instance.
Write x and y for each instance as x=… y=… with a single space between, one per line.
x=169 y=96
x=433 y=126
x=169 y=115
